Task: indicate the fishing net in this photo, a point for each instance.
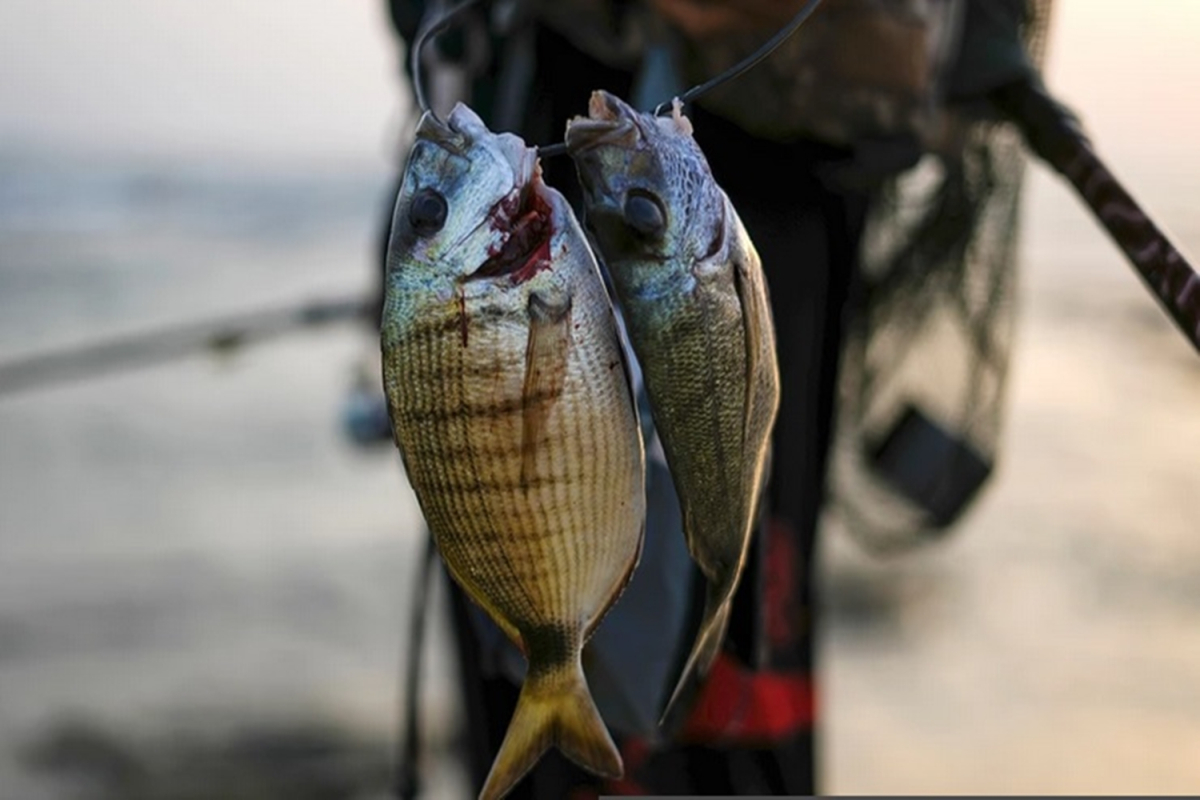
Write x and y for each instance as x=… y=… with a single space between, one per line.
x=929 y=343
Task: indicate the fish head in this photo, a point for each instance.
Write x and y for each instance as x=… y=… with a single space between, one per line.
x=471 y=205
x=649 y=195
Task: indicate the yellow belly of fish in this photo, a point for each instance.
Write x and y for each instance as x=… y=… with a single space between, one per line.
x=542 y=540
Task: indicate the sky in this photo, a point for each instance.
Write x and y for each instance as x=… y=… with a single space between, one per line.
x=314 y=79
x=319 y=79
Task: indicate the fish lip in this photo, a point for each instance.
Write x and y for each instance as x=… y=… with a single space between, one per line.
x=584 y=134
x=584 y=137
x=442 y=134
x=609 y=121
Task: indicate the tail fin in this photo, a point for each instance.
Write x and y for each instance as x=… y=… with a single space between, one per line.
x=717 y=603
x=554 y=708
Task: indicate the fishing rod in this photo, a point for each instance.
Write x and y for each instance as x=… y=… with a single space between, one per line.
x=1055 y=135
x=222 y=336
x=406 y=782
x=1051 y=132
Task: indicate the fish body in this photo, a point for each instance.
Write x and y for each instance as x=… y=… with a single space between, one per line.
x=695 y=302
x=512 y=408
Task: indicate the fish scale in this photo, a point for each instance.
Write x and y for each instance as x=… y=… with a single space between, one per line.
x=699 y=393
x=519 y=435
x=478 y=496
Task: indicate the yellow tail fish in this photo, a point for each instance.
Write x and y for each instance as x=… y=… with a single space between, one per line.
x=512 y=408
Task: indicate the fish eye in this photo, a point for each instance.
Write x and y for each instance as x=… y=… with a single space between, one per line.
x=644 y=213
x=427 y=212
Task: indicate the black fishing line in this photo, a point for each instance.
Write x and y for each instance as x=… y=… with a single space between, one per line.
x=748 y=62
x=559 y=148
x=737 y=70
x=551 y=150
x=431 y=30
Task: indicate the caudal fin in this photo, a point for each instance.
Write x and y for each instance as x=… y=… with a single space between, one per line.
x=707 y=646
x=554 y=709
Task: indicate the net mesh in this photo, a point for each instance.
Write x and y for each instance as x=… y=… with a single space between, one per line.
x=933 y=327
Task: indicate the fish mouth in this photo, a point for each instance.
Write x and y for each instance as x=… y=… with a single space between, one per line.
x=525 y=218
x=609 y=122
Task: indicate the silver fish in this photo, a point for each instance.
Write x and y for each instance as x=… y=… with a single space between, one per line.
x=691 y=287
x=512 y=408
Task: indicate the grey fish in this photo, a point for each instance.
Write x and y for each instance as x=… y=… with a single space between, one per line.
x=691 y=287
x=512 y=408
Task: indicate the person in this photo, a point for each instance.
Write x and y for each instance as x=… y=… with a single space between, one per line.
x=802 y=145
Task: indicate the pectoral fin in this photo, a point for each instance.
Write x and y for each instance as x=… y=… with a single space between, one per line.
x=757 y=324
x=545 y=371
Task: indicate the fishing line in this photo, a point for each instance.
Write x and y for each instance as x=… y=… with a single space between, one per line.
x=559 y=148
x=431 y=30
x=167 y=344
x=752 y=60
x=737 y=70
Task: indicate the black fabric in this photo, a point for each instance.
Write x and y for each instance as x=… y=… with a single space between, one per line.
x=785 y=769
x=993 y=50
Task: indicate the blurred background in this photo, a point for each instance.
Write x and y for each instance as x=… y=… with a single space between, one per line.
x=204 y=583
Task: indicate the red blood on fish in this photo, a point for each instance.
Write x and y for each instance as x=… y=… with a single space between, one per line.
x=462 y=316
x=525 y=251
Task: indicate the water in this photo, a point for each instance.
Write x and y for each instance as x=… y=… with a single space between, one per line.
x=194 y=541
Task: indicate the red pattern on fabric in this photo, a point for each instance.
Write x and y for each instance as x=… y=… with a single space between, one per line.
x=741 y=707
x=627 y=786
x=780 y=585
